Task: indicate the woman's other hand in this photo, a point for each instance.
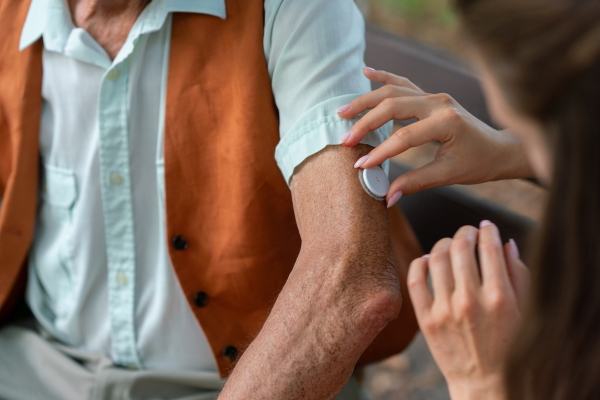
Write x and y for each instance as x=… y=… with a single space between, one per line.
x=471 y=151
x=471 y=319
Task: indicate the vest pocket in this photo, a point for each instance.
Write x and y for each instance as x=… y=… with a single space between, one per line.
x=53 y=246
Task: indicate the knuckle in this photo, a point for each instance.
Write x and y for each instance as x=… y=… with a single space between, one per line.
x=414 y=283
x=466 y=308
x=415 y=186
x=388 y=102
x=389 y=90
x=452 y=115
x=443 y=98
x=429 y=324
x=488 y=248
x=442 y=316
x=460 y=245
x=403 y=81
x=402 y=134
x=438 y=256
x=496 y=301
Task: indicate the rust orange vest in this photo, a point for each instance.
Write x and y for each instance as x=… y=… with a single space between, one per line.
x=224 y=191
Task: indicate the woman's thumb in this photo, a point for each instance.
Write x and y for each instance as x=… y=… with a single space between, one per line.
x=419 y=179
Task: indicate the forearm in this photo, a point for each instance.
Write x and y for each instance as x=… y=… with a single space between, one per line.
x=343 y=290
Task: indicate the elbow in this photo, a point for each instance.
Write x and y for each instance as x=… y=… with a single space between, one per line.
x=378 y=309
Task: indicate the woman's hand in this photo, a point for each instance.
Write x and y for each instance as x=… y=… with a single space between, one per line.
x=471 y=320
x=471 y=151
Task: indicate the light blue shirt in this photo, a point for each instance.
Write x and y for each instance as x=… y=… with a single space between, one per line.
x=100 y=276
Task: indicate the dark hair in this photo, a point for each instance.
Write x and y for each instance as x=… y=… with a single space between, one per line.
x=546 y=56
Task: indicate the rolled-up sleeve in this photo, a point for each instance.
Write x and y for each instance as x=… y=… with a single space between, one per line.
x=314 y=52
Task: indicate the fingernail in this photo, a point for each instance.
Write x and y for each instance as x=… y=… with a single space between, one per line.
x=485 y=222
x=426 y=256
x=514 y=248
x=394 y=199
x=368 y=68
x=361 y=161
x=343 y=108
x=344 y=138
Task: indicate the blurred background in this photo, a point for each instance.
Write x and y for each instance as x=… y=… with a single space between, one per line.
x=419 y=39
x=428 y=21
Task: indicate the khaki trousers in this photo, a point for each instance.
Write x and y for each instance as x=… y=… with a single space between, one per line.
x=33 y=367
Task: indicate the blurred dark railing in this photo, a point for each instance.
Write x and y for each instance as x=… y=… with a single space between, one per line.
x=439 y=212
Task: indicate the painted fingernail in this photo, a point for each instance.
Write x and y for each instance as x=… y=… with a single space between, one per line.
x=484 y=223
x=361 y=161
x=368 y=68
x=394 y=199
x=344 y=138
x=514 y=248
x=343 y=108
x=426 y=256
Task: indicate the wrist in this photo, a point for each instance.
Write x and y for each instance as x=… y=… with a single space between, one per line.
x=514 y=159
x=490 y=388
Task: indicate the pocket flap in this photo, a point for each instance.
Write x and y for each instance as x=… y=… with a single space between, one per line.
x=59 y=186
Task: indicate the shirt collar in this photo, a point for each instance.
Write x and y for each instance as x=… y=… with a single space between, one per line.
x=52 y=20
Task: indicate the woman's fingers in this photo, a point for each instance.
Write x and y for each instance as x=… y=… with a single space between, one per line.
x=413 y=135
x=372 y=99
x=440 y=270
x=417 y=286
x=398 y=108
x=518 y=272
x=432 y=174
x=464 y=264
x=389 y=79
x=491 y=257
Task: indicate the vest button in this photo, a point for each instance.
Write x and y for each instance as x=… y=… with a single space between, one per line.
x=201 y=299
x=230 y=353
x=180 y=242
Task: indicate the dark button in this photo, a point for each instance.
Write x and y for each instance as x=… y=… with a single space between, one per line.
x=230 y=353
x=180 y=242
x=201 y=299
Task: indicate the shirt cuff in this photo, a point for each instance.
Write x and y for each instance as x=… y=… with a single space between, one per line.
x=319 y=127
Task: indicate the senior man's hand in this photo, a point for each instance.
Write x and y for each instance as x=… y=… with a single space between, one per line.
x=342 y=292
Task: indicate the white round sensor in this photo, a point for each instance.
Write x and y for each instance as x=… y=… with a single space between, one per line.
x=375 y=182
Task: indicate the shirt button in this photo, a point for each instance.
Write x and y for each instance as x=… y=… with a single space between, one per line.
x=113 y=75
x=201 y=299
x=121 y=279
x=230 y=353
x=180 y=242
x=116 y=178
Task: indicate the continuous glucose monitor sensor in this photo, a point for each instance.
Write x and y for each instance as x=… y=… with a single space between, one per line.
x=374 y=181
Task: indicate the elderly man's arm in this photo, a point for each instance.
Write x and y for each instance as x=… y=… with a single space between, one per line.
x=343 y=290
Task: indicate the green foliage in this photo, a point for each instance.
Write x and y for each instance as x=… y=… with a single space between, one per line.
x=429 y=21
x=439 y=11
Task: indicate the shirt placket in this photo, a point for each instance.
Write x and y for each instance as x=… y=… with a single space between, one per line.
x=118 y=213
